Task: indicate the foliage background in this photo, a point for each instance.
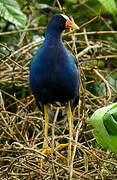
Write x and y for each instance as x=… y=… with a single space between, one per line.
x=22 y=29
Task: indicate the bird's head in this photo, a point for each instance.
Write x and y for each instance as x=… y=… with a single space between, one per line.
x=60 y=22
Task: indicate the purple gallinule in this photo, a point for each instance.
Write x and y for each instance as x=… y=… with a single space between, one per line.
x=54 y=74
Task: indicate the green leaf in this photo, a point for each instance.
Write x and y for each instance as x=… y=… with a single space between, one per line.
x=110 y=122
x=104 y=121
x=20 y=2
x=10 y=11
x=109 y=5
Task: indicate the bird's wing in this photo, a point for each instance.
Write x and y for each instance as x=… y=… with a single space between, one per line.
x=74 y=102
x=73 y=58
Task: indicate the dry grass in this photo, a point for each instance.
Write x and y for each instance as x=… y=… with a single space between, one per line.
x=22 y=124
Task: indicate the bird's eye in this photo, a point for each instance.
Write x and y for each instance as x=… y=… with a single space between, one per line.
x=60 y=18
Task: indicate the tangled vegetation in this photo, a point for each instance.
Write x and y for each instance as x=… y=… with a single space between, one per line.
x=21 y=122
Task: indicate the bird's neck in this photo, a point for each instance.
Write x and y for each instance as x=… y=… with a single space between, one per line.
x=53 y=36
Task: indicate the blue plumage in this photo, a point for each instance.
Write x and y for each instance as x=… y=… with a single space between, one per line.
x=54 y=74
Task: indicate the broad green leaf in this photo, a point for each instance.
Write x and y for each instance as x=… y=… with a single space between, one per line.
x=104 y=121
x=10 y=11
x=113 y=112
x=109 y=5
x=110 y=123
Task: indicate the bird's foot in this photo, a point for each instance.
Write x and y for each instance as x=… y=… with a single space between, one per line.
x=61 y=146
x=48 y=150
x=44 y=151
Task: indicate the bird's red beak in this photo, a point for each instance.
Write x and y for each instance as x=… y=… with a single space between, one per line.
x=68 y=23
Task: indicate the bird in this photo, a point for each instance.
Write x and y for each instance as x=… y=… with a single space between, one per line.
x=54 y=75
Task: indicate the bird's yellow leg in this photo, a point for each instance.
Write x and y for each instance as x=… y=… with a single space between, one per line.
x=45 y=144
x=70 y=130
x=70 y=134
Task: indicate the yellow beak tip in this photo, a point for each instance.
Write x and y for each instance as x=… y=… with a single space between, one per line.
x=75 y=26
